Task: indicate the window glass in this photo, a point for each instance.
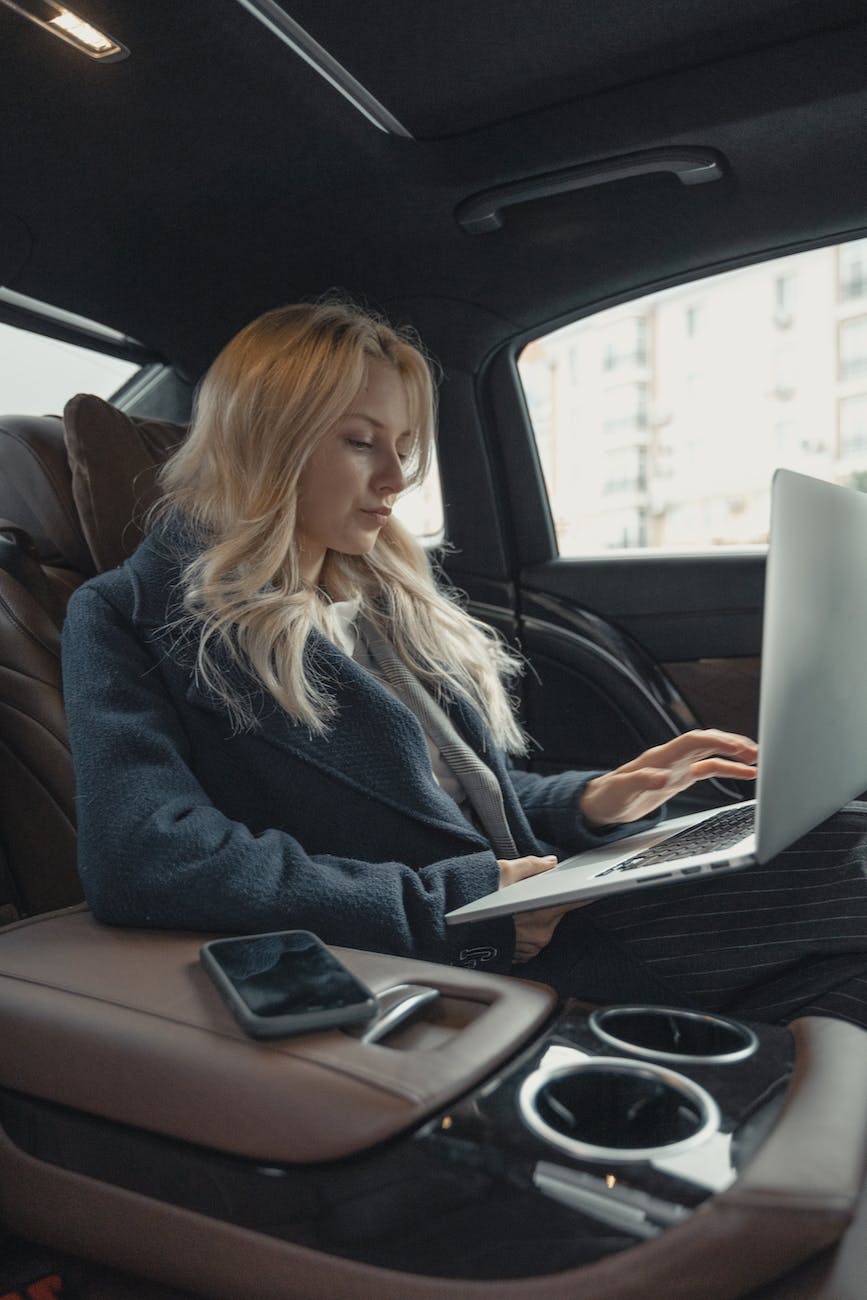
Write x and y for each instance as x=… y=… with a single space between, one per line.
x=659 y=423
x=853 y=270
x=853 y=427
x=421 y=510
x=853 y=348
x=38 y=375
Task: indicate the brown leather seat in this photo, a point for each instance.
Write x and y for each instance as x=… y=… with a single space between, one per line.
x=68 y=495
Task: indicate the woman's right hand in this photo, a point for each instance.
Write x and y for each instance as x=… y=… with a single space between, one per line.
x=533 y=930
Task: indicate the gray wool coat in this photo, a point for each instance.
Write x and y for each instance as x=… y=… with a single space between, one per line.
x=183 y=824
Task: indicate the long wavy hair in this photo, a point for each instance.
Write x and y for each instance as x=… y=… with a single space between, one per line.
x=270 y=397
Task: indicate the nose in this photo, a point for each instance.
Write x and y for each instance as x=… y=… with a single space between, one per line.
x=390 y=479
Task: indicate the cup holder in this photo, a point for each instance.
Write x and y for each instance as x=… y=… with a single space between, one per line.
x=614 y=1110
x=669 y=1034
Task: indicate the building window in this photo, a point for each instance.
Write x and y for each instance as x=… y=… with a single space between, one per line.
x=625 y=408
x=853 y=425
x=626 y=470
x=785 y=296
x=625 y=344
x=853 y=348
x=852 y=282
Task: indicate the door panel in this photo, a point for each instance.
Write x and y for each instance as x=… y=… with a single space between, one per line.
x=627 y=653
x=721 y=692
x=679 y=608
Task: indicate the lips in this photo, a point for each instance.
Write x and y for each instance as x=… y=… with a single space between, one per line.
x=380 y=514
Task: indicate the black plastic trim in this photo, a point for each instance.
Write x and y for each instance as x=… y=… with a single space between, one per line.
x=483 y=212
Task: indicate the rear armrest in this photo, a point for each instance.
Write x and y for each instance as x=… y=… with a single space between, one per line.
x=145 y=1040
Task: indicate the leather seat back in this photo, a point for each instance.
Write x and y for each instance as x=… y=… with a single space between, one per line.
x=37 y=817
x=54 y=534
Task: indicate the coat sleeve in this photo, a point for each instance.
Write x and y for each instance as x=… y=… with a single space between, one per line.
x=551 y=805
x=155 y=851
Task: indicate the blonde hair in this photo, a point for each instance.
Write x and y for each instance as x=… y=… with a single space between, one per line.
x=270 y=397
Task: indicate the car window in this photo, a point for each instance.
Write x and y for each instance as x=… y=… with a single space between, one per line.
x=659 y=422
x=38 y=374
x=421 y=510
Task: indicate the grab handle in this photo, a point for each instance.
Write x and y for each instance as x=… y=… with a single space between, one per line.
x=483 y=212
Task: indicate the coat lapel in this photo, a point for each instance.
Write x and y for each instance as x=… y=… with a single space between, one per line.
x=375 y=745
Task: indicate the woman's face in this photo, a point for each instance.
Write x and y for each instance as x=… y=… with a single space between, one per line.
x=349 y=484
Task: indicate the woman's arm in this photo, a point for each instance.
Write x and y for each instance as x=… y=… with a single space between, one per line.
x=154 y=850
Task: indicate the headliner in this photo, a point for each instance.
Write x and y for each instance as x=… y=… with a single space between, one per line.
x=212 y=174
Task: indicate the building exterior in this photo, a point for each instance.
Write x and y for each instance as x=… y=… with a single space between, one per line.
x=660 y=422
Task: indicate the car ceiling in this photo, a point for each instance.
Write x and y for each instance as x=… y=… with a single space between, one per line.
x=213 y=173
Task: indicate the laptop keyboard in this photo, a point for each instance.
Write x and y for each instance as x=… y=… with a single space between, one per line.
x=714 y=834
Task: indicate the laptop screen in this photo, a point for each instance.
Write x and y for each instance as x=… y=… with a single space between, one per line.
x=813 y=706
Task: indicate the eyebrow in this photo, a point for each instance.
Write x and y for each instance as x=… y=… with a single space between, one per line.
x=377 y=424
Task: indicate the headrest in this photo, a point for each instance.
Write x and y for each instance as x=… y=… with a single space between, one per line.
x=80 y=486
x=36 y=488
x=114 y=459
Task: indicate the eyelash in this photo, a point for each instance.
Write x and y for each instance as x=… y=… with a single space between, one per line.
x=359 y=443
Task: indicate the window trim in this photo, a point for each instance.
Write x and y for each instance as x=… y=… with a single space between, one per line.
x=36 y=317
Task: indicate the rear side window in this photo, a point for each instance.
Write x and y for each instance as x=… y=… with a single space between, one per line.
x=38 y=374
x=659 y=423
x=421 y=510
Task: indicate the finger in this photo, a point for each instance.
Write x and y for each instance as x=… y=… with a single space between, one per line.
x=521 y=868
x=712 y=741
x=673 y=781
x=694 y=744
x=706 y=767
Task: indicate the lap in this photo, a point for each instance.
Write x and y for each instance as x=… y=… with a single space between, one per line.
x=768 y=939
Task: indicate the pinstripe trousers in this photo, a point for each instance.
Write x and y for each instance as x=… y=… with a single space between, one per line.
x=771 y=943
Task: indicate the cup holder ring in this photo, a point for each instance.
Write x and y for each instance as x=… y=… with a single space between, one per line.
x=673 y=1034
x=593 y=1108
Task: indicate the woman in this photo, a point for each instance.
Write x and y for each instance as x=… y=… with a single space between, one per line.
x=279 y=721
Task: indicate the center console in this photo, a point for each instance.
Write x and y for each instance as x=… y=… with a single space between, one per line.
x=491 y=1144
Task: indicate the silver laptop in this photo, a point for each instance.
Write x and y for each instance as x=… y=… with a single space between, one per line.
x=812 y=717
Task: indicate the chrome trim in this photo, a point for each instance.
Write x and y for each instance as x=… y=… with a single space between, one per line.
x=278 y=22
x=59 y=316
x=709 y=1121
x=397 y=1005
x=747 y=1036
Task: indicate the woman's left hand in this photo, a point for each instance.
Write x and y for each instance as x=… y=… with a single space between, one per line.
x=641 y=786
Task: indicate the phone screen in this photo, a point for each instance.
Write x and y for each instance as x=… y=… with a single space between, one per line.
x=287 y=974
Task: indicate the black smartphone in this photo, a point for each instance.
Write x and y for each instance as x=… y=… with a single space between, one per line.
x=286 y=983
